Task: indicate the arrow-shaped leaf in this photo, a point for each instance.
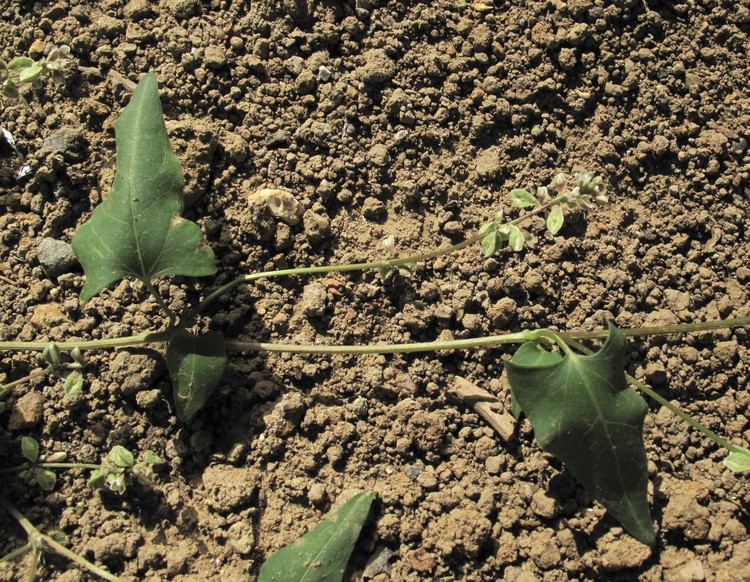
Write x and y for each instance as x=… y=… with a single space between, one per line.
x=585 y=414
x=321 y=555
x=195 y=365
x=138 y=231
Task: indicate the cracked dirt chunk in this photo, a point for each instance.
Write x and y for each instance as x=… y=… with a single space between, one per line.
x=488 y=163
x=377 y=68
x=544 y=550
x=241 y=537
x=685 y=513
x=116 y=546
x=463 y=532
x=737 y=567
x=27 y=411
x=230 y=488
x=620 y=551
x=135 y=372
x=47 y=315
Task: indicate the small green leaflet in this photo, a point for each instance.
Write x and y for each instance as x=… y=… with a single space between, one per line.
x=321 y=555
x=30 y=448
x=738 y=460
x=138 y=231
x=490 y=243
x=522 y=198
x=555 y=219
x=195 y=365
x=585 y=414
x=516 y=239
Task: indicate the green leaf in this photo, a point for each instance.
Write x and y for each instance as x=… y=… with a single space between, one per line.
x=486 y=228
x=20 y=63
x=96 y=479
x=738 y=460
x=46 y=479
x=522 y=198
x=555 y=219
x=151 y=458
x=74 y=383
x=138 y=231
x=489 y=244
x=195 y=364
x=585 y=414
x=321 y=555
x=30 y=74
x=29 y=448
x=121 y=456
x=516 y=239
x=10 y=90
x=51 y=355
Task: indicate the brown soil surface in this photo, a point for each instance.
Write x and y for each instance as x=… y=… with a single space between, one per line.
x=407 y=118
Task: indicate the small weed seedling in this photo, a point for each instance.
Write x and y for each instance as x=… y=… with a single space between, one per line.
x=25 y=70
x=117 y=470
x=581 y=404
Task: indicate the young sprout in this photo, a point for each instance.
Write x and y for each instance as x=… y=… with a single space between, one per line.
x=26 y=70
x=585 y=194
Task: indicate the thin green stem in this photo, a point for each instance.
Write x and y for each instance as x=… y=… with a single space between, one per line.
x=33 y=375
x=129 y=341
x=551 y=337
x=646 y=389
x=26 y=466
x=387 y=264
x=164 y=336
x=483 y=342
x=683 y=415
x=15 y=553
x=39 y=540
x=663 y=329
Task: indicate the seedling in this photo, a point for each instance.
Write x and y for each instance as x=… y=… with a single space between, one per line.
x=117 y=470
x=581 y=404
x=25 y=70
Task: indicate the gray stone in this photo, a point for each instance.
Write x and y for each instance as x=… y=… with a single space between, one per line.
x=278 y=138
x=56 y=257
x=67 y=141
x=314 y=298
x=183 y=8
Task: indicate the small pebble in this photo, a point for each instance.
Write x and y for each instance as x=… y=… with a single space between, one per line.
x=27 y=411
x=55 y=257
x=324 y=74
x=314 y=299
x=373 y=209
x=316 y=494
x=281 y=203
x=278 y=138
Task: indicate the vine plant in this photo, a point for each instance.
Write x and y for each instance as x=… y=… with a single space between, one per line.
x=581 y=404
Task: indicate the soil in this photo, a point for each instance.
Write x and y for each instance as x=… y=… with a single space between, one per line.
x=411 y=119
